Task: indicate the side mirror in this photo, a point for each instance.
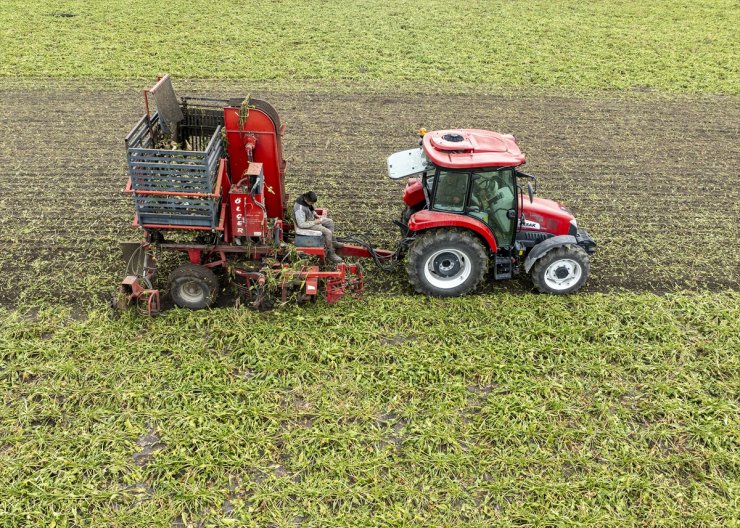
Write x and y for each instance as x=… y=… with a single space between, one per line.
x=530 y=191
x=511 y=214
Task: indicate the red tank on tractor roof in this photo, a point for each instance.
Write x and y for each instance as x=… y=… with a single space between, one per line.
x=212 y=172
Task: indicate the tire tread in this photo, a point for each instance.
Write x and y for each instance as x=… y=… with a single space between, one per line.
x=189 y=270
x=569 y=251
x=445 y=236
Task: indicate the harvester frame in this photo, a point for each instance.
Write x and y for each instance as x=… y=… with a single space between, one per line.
x=237 y=208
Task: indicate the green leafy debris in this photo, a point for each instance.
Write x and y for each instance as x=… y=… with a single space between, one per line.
x=666 y=45
x=609 y=410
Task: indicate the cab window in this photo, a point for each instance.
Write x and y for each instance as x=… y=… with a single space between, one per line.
x=451 y=190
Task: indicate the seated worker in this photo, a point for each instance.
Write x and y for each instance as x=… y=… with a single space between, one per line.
x=483 y=197
x=306 y=219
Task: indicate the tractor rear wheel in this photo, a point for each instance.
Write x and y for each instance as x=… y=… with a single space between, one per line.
x=193 y=286
x=561 y=271
x=446 y=263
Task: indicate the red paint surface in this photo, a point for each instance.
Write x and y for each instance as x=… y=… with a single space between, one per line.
x=478 y=149
x=413 y=194
x=427 y=219
x=267 y=149
x=548 y=214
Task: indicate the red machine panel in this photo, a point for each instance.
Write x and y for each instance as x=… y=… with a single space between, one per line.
x=246 y=200
x=413 y=194
x=254 y=134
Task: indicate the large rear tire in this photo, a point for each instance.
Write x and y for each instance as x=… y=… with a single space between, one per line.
x=562 y=271
x=193 y=286
x=446 y=263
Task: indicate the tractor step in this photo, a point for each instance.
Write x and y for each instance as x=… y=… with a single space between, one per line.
x=502 y=268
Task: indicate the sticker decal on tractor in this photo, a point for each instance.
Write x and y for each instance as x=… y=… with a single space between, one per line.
x=529 y=224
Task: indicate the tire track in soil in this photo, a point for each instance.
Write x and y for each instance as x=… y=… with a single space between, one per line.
x=650 y=177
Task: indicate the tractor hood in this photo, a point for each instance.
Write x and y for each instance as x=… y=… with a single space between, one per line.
x=546 y=215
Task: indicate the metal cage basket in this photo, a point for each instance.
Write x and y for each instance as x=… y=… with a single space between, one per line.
x=173 y=170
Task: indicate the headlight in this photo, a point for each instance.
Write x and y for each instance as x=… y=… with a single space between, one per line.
x=574 y=223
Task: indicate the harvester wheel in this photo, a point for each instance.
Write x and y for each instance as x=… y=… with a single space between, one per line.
x=561 y=271
x=446 y=263
x=119 y=302
x=193 y=286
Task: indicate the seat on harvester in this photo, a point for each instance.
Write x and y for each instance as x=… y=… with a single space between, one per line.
x=308 y=238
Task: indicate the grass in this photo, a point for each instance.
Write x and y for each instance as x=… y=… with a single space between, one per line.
x=669 y=45
x=499 y=409
x=507 y=410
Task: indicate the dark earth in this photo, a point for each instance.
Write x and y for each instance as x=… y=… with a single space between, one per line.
x=651 y=177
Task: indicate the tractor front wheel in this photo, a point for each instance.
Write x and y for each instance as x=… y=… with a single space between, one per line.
x=193 y=286
x=446 y=263
x=561 y=271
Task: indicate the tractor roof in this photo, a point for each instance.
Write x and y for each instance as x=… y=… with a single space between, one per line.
x=468 y=148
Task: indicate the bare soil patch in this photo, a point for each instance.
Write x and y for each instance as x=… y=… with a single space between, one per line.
x=650 y=177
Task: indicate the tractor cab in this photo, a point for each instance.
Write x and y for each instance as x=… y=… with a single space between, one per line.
x=466 y=173
x=487 y=195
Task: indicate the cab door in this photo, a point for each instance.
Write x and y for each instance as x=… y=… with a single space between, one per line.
x=493 y=200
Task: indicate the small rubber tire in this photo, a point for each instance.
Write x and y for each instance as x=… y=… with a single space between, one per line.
x=547 y=265
x=193 y=286
x=443 y=248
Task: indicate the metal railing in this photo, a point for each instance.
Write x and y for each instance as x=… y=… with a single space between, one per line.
x=174 y=187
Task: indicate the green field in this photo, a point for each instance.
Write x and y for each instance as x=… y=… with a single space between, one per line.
x=617 y=406
x=513 y=410
x=669 y=45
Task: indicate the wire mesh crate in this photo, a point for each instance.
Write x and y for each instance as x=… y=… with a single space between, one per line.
x=173 y=168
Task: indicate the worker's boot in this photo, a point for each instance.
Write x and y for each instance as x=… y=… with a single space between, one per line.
x=333 y=257
x=337 y=245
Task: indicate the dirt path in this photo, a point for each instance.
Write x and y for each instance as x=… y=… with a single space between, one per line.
x=651 y=178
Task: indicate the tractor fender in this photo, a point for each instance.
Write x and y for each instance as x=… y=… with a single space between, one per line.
x=544 y=247
x=426 y=219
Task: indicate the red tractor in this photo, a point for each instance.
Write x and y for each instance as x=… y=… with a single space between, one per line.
x=207 y=180
x=466 y=212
